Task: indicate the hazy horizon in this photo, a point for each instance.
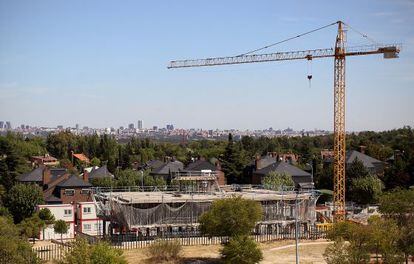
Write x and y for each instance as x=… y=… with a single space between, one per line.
x=103 y=64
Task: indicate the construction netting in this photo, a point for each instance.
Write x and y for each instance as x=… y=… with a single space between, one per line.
x=188 y=213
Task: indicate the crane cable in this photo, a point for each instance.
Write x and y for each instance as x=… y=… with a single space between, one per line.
x=362 y=34
x=285 y=40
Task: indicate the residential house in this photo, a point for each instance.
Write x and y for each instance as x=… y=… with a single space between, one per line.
x=99 y=173
x=59 y=187
x=371 y=164
x=301 y=178
x=63 y=212
x=168 y=170
x=201 y=166
x=87 y=220
x=46 y=160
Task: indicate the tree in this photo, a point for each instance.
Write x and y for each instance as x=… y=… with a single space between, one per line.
x=95 y=162
x=47 y=217
x=277 y=181
x=22 y=200
x=232 y=161
x=231 y=217
x=83 y=253
x=337 y=253
x=31 y=227
x=399 y=205
x=366 y=190
x=358 y=248
x=242 y=250
x=384 y=236
x=13 y=249
x=61 y=228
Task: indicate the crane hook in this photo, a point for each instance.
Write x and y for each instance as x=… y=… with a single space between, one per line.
x=309 y=58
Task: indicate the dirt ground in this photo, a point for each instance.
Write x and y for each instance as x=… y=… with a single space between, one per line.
x=273 y=253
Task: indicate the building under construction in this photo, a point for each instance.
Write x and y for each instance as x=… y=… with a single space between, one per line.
x=178 y=208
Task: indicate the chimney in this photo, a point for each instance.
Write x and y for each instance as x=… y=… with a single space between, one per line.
x=258 y=162
x=46 y=176
x=85 y=176
x=362 y=149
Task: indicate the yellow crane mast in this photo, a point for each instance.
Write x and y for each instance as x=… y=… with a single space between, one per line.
x=339 y=53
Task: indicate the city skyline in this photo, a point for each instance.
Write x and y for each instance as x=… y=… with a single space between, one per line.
x=105 y=64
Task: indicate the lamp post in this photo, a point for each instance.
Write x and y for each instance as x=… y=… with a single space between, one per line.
x=296 y=228
x=142 y=180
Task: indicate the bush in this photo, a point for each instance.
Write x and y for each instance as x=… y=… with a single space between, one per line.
x=83 y=253
x=241 y=250
x=162 y=250
x=233 y=216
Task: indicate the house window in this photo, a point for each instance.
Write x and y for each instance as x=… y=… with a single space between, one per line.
x=69 y=192
x=86 y=210
x=85 y=191
x=87 y=227
x=68 y=212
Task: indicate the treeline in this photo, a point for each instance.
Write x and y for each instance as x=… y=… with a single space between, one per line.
x=234 y=155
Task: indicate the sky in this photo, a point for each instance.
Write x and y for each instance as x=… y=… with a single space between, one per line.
x=103 y=64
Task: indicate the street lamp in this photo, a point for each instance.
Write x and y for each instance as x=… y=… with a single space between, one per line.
x=296 y=228
x=311 y=165
x=142 y=180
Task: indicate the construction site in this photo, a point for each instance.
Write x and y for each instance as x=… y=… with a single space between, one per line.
x=151 y=211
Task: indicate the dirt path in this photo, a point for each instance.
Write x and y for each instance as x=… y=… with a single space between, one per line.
x=274 y=253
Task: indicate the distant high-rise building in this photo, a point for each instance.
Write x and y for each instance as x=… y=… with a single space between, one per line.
x=131 y=126
x=8 y=125
x=77 y=126
x=155 y=128
x=139 y=124
x=170 y=127
x=22 y=126
x=1 y=124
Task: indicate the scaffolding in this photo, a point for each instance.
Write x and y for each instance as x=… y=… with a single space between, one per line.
x=136 y=208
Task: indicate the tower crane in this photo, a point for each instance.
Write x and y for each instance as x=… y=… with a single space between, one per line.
x=339 y=53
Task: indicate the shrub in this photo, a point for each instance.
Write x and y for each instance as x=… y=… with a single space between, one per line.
x=163 y=250
x=241 y=250
x=83 y=253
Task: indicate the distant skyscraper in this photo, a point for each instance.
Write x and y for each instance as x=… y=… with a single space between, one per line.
x=77 y=126
x=139 y=124
x=170 y=127
x=131 y=126
x=8 y=125
x=1 y=124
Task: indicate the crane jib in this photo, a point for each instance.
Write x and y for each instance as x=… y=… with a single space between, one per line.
x=389 y=51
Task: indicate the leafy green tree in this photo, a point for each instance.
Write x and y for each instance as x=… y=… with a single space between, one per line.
x=47 y=217
x=358 y=237
x=128 y=177
x=103 y=182
x=95 y=162
x=13 y=249
x=384 y=236
x=241 y=249
x=61 y=228
x=366 y=190
x=22 y=200
x=277 y=181
x=337 y=253
x=231 y=217
x=232 y=162
x=399 y=205
x=83 y=253
x=31 y=227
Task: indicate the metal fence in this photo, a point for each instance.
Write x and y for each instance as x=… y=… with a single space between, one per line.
x=56 y=252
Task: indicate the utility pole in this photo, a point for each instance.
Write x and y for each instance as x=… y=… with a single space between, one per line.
x=296 y=228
